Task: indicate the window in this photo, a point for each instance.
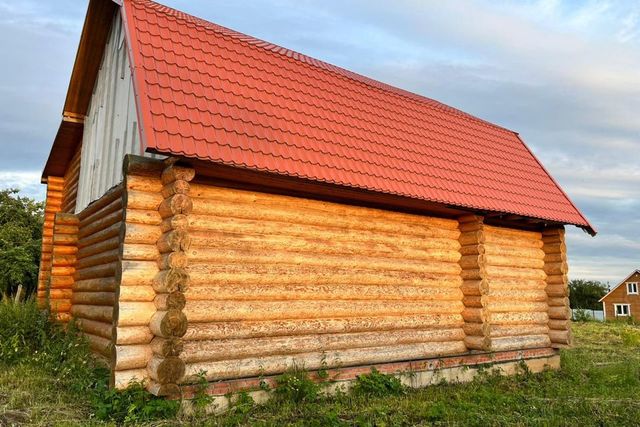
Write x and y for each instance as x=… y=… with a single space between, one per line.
x=621 y=309
x=632 y=288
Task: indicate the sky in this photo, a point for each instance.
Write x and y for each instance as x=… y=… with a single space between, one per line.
x=564 y=74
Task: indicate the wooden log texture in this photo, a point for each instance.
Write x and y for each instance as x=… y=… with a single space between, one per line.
x=63 y=263
x=53 y=202
x=557 y=290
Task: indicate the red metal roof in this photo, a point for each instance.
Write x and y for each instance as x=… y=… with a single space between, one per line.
x=211 y=93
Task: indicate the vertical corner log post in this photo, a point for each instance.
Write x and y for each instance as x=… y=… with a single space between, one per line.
x=63 y=264
x=556 y=268
x=474 y=285
x=53 y=204
x=169 y=324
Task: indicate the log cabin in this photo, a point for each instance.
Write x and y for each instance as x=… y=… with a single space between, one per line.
x=623 y=300
x=219 y=204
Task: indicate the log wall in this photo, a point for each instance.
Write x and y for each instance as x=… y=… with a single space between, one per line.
x=276 y=280
x=516 y=299
x=96 y=270
x=71 y=178
x=53 y=204
x=63 y=264
x=557 y=290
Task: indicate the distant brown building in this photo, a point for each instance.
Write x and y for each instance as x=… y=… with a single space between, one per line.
x=623 y=300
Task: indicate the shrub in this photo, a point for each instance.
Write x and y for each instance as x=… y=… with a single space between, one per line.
x=296 y=386
x=131 y=405
x=378 y=384
x=582 y=315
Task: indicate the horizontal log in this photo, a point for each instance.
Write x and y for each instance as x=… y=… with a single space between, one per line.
x=144 y=234
x=474 y=287
x=474 y=315
x=143 y=217
x=137 y=293
x=473 y=238
x=106 y=284
x=472 y=261
x=174 y=241
x=176 y=187
x=140 y=252
x=210 y=311
x=103 y=258
x=556 y=268
x=200 y=351
x=560 y=336
x=98 y=271
x=477 y=342
x=517 y=262
x=65 y=239
x=520 y=343
x=175 y=279
x=99 y=205
x=474 y=249
x=143 y=200
x=217 y=227
x=101 y=236
x=148 y=184
x=100 y=223
x=65 y=229
x=167 y=347
x=514 y=233
x=555 y=248
x=94 y=298
x=514 y=306
x=199 y=264
x=314 y=207
x=127 y=335
x=100 y=345
x=131 y=357
x=207 y=244
x=167 y=324
x=123 y=379
x=171 y=260
x=166 y=370
x=345 y=291
x=554 y=258
x=138 y=273
x=60 y=305
x=164 y=390
x=559 y=324
x=173 y=300
x=472 y=301
x=101 y=329
x=135 y=313
x=63 y=260
x=502 y=240
x=62 y=270
x=516 y=273
x=289 y=274
x=291 y=327
x=518 y=318
x=175 y=205
x=465 y=227
x=99 y=247
x=515 y=295
x=560 y=313
x=174 y=173
x=558 y=301
x=557 y=279
x=270 y=365
x=287 y=215
x=61 y=282
x=61 y=250
x=498 y=331
x=175 y=222
x=93 y=312
x=60 y=293
x=557 y=291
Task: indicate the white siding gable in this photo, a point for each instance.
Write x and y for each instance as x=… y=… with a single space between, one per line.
x=111 y=125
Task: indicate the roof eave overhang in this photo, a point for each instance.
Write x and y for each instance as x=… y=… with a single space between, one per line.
x=93 y=39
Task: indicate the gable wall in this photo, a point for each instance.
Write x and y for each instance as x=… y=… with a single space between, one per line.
x=620 y=296
x=111 y=127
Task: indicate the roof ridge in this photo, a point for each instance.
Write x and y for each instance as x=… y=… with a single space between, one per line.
x=318 y=63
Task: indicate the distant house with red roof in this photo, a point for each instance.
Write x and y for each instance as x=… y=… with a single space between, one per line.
x=220 y=204
x=623 y=300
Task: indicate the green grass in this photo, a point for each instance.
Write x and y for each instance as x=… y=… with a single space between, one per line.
x=599 y=384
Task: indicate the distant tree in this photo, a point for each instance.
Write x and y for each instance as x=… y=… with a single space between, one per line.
x=586 y=293
x=20 y=241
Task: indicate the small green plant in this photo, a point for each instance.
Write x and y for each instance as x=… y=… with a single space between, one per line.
x=132 y=405
x=323 y=372
x=296 y=386
x=378 y=384
x=201 y=399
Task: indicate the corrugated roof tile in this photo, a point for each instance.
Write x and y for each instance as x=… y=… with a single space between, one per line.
x=219 y=95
